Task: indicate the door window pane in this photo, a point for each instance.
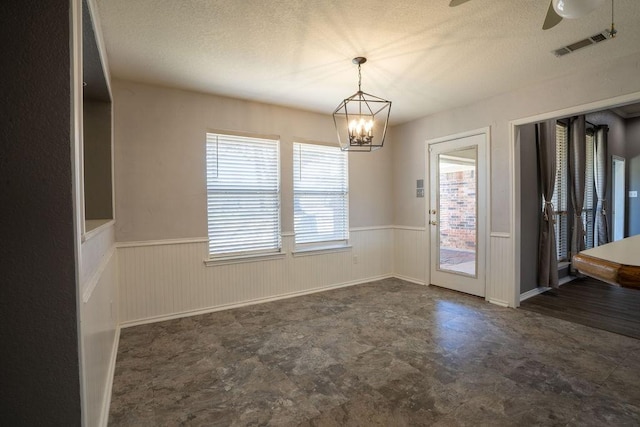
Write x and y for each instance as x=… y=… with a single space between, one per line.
x=457 y=207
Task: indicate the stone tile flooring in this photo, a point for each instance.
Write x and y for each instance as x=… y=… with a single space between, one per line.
x=384 y=353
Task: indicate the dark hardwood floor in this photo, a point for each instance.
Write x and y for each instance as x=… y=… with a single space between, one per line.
x=592 y=303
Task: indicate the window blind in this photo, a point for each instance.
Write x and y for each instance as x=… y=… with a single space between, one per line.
x=320 y=193
x=560 y=193
x=243 y=195
x=588 y=213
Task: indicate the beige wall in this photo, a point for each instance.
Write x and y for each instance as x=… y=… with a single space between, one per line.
x=578 y=88
x=159 y=141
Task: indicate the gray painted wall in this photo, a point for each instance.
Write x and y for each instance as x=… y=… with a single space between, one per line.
x=530 y=208
x=40 y=382
x=633 y=175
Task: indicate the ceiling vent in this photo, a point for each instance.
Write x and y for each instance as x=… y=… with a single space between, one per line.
x=596 y=38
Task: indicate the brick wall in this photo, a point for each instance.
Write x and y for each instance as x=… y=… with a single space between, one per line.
x=458 y=210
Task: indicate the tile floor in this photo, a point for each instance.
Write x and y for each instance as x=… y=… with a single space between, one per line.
x=384 y=353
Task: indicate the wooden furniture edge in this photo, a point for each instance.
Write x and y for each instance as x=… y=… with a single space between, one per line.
x=601 y=269
x=627 y=276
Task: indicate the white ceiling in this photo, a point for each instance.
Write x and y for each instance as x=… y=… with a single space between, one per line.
x=423 y=55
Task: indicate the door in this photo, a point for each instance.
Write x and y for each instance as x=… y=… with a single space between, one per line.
x=457 y=213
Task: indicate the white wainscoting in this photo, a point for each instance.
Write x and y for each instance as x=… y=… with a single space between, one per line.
x=411 y=253
x=500 y=281
x=411 y=258
x=93 y=251
x=98 y=325
x=167 y=279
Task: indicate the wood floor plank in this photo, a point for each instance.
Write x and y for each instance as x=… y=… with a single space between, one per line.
x=591 y=303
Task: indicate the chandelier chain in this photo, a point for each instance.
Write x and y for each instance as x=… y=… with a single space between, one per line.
x=359 y=79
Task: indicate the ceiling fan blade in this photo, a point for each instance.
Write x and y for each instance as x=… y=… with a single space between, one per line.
x=552 y=19
x=454 y=3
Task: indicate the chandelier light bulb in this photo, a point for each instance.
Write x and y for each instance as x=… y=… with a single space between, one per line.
x=361 y=131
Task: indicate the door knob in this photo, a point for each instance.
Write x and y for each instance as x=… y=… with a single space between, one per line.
x=433 y=222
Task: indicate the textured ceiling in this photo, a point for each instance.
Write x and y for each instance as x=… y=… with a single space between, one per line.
x=423 y=55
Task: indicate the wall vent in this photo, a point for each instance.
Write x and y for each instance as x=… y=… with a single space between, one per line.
x=596 y=38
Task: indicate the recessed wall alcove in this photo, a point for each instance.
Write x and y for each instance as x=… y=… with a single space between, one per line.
x=97 y=135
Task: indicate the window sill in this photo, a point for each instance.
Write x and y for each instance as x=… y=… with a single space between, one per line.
x=95 y=227
x=320 y=250
x=238 y=259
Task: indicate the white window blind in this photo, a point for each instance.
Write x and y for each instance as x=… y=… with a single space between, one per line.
x=588 y=216
x=560 y=193
x=243 y=195
x=320 y=193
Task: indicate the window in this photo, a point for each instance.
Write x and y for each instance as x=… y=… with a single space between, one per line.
x=320 y=195
x=243 y=195
x=588 y=208
x=561 y=191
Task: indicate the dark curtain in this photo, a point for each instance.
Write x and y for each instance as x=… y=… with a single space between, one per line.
x=601 y=171
x=577 y=167
x=547 y=256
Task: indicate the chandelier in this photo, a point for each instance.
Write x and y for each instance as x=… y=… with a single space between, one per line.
x=361 y=120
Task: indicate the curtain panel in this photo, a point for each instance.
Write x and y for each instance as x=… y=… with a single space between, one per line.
x=547 y=256
x=577 y=172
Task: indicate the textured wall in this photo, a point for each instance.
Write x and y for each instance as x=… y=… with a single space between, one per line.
x=578 y=88
x=40 y=370
x=160 y=160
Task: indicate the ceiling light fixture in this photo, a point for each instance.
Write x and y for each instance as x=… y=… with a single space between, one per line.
x=358 y=119
x=575 y=8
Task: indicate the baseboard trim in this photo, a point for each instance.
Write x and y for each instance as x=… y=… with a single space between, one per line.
x=189 y=313
x=104 y=417
x=409 y=279
x=533 y=292
x=498 y=302
x=566 y=279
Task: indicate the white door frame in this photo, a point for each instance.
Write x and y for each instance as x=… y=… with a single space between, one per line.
x=486 y=131
x=514 y=170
